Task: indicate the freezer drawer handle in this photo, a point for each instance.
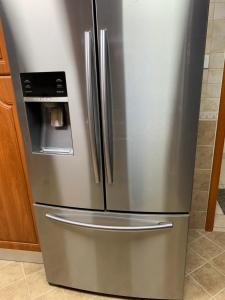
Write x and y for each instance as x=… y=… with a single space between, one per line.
x=91 y=94
x=105 y=84
x=154 y=226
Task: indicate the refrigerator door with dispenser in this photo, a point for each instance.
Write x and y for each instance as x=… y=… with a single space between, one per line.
x=52 y=53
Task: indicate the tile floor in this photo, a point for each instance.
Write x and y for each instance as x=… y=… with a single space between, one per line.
x=219 y=224
x=205 y=274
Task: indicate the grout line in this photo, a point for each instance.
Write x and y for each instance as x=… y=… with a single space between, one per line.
x=25 y=277
x=189 y=244
x=199 y=255
x=213 y=297
x=206 y=261
x=213 y=257
x=35 y=272
x=200 y=285
x=196 y=269
x=221 y=273
x=50 y=287
x=23 y=270
x=28 y=289
x=206 y=236
x=11 y=283
x=28 y=275
x=48 y=292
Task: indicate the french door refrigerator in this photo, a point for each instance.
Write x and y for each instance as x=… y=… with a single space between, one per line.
x=108 y=96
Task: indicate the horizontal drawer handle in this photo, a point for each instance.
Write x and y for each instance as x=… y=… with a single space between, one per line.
x=155 y=226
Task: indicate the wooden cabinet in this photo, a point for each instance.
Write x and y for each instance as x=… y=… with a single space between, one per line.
x=4 y=64
x=17 y=228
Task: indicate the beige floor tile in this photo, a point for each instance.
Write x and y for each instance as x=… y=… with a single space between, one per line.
x=30 y=268
x=210 y=279
x=193 y=234
x=192 y=291
x=219 y=229
x=217 y=237
x=193 y=261
x=98 y=297
x=215 y=75
x=218 y=209
x=11 y=273
x=56 y=294
x=197 y=219
x=216 y=60
x=74 y=295
x=38 y=284
x=4 y=263
x=219 y=221
x=220 y=296
x=219 y=263
x=205 y=248
x=15 y=291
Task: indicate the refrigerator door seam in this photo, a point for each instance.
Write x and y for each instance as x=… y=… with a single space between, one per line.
x=105 y=104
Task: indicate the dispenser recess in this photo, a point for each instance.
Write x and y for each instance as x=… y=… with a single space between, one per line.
x=47 y=112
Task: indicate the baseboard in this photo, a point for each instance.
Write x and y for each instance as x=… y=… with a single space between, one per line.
x=21 y=255
x=20 y=246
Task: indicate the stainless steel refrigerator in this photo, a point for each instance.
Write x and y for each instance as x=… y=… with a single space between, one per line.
x=108 y=96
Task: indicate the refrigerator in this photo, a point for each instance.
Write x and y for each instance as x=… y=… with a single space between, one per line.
x=108 y=95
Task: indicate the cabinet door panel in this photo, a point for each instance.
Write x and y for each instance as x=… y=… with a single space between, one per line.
x=6 y=90
x=4 y=64
x=16 y=221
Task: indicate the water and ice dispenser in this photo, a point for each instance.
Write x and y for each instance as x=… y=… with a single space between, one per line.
x=46 y=102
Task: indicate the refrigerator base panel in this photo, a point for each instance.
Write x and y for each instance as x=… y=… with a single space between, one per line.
x=114 y=253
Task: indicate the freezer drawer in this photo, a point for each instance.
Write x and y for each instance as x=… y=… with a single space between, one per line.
x=124 y=255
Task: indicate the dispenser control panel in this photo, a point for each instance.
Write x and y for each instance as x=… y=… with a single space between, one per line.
x=44 y=84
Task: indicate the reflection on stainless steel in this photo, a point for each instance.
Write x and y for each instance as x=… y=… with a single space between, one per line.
x=156 y=57
x=136 y=263
x=110 y=123
x=91 y=102
x=105 y=102
x=55 y=32
x=152 y=226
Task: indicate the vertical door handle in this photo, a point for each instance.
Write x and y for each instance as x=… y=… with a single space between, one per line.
x=91 y=87
x=106 y=104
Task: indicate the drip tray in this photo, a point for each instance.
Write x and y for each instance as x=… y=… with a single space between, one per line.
x=62 y=151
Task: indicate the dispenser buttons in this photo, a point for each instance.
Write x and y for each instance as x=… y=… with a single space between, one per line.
x=44 y=84
x=60 y=92
x=27 y=81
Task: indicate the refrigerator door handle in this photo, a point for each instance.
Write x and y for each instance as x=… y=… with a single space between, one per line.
x=106 y=104
x=90 y=102
x=153 y=226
